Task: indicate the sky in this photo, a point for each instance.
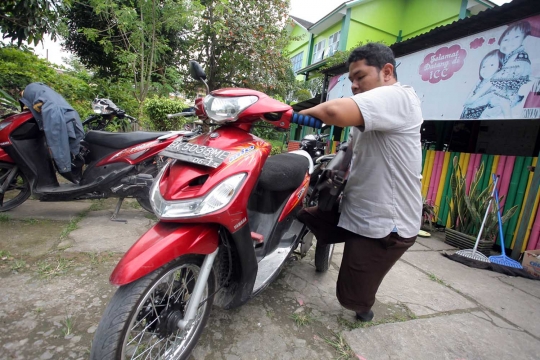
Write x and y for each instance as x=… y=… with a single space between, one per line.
x=310 y=10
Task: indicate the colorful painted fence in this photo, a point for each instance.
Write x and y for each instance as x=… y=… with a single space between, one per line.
x=514 y=184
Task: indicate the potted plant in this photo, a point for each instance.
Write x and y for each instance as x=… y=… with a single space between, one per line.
x=467 y=212
x=429 y=213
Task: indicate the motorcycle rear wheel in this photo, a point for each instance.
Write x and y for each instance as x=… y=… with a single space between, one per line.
x=323 y=256
x=18 y=191
x=139 y=322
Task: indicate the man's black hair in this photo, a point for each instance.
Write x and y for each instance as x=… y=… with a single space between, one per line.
x=375 y=54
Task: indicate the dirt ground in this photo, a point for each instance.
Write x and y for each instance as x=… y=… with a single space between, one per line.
x=56 y=258
x=53 y=295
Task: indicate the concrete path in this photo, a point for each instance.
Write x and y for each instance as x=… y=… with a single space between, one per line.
x=56 y=259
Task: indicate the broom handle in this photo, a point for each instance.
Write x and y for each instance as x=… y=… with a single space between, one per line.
x=485 y=216
x=503 y=251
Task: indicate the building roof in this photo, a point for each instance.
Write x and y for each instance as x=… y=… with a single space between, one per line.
x=303 y=23
x=485 y=20
x=307 y=104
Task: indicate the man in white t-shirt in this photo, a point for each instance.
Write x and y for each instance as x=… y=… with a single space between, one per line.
x=382 y=203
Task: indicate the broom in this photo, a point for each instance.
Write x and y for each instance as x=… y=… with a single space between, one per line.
x=472 y=253
x=502 y=259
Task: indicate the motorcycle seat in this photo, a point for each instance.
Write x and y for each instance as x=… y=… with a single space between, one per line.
x=283 y=172
x=120 y=140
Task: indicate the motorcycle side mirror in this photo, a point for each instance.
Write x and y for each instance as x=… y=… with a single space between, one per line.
x=196 y=71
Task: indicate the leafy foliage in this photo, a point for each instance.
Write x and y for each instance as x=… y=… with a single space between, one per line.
x=467 y=210
x=429 y=212
x=240 y=43
x=277 y=146
x=138 y=39
x=28 y=20
x=7 y=101
x=157 y=108
x=19 y=68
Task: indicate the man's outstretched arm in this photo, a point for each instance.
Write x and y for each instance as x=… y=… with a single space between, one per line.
x=340 y=112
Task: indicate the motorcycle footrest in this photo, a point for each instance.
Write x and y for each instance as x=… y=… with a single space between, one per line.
x=139 y=179
x=258 y=238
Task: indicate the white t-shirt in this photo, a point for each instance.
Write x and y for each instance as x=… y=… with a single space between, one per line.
x=383 y=191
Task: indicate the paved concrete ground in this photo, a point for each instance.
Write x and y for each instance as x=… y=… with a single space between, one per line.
x=56 y=258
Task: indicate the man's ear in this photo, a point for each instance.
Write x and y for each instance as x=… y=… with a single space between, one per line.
x=388 y=72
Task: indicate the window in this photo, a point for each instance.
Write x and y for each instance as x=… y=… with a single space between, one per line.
x=297 y=61
x=333 y=43
x=318 y=51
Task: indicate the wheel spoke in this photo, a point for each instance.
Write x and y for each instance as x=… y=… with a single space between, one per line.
x=152 y=301
x=16 y=192
x=143 y=331
x=171 y=284
x=148 y=337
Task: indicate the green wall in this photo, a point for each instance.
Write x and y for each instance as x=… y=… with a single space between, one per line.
x=326 y=34
x=383 y=16
x=302 y=43
x=420 y=16
x=361 y=32
x=382 y=20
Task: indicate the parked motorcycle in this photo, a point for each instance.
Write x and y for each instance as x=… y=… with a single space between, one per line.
x=227 y=225
x=315 y=146
x=105 y=111
x=109 y=165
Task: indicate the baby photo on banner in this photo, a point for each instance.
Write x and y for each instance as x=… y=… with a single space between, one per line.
x=492 y=75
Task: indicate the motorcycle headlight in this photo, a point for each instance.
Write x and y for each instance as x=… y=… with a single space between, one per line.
x=216 y=199
x=226 y=109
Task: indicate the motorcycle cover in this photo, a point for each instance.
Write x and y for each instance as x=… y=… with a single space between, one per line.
x=58 y=120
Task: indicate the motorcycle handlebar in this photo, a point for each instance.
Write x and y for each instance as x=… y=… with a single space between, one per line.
x=130 y=118
x=306 y=120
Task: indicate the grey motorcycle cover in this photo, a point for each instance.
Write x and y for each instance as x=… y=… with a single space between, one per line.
x=58 y=120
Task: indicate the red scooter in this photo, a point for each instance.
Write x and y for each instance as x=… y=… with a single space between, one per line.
x=115 y=164
x=227 y=225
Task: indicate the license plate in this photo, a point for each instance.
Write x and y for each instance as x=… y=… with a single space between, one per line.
x=196 y=154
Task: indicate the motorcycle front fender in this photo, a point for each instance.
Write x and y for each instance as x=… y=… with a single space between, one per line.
x=161 y=244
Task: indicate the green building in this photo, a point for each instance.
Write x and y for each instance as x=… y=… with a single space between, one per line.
x=355 y=21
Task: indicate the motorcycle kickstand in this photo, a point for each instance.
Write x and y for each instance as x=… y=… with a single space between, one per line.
x=116 y=210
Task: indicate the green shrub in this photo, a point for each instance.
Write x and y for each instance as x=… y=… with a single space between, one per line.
x=277 y=146
x=19 y=68
x=156 y=109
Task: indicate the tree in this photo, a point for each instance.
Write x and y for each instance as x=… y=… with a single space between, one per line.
x=135 y=38
x=29 y=20
x=91 y=51
x=241 y=44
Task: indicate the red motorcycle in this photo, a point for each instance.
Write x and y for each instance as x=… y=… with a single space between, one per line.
x=227 y=225
x=115 y=164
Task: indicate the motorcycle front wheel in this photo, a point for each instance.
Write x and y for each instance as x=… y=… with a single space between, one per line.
x=140 y=321
x=17 y=191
